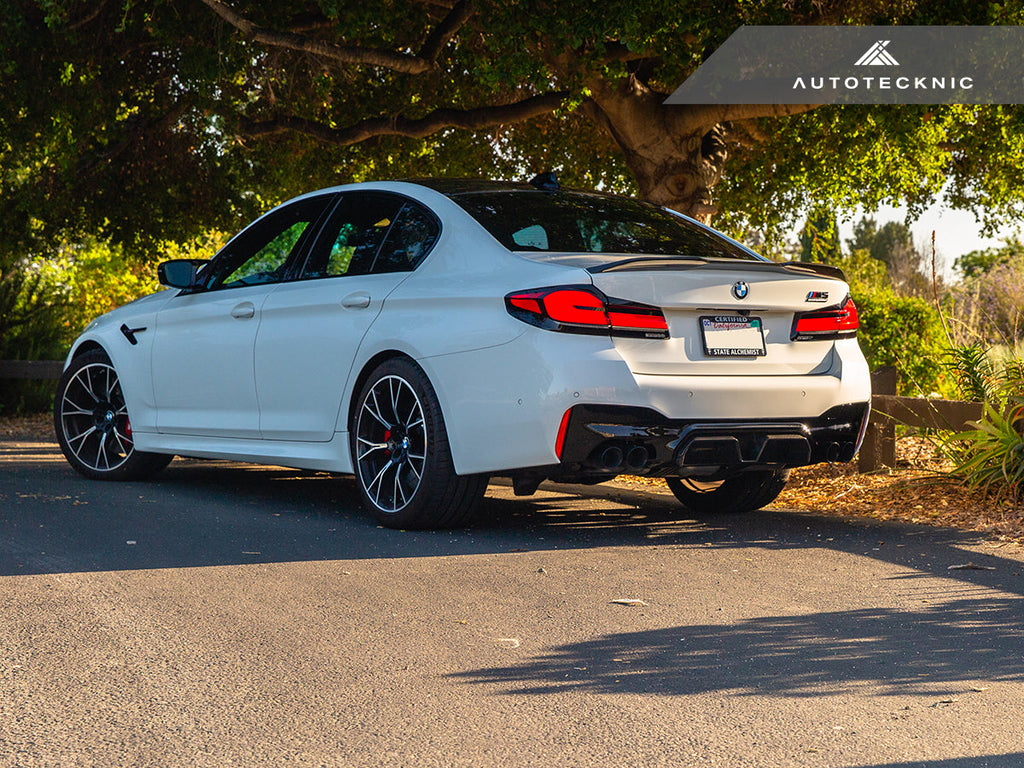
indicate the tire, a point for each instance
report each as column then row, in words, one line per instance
column 742, row 492
column 400, row 453
column 91, row 420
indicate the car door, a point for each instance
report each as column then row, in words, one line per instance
column 202, row 358
column 312, row 328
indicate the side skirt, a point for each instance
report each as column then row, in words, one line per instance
column 330, row 456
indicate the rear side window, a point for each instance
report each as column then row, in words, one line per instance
column 576, row 222
column 353, row 234
column 411, row 237
column 371, row 233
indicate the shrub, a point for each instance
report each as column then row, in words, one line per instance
column 990, row 458
column 904, row 331
column 45, row 301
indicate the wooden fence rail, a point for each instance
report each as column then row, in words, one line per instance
column 878, row 451
column 888, row 410
column 31, row 369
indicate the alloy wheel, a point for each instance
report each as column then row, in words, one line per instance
column 391, row 443
column 94, row 418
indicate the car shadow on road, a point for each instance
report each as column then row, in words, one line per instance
column 200, row 513
column 951, row 651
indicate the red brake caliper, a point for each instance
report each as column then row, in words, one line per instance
column 387, row 436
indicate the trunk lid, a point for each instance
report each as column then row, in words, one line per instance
column 766, row 294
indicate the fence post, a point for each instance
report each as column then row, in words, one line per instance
column 879, row 448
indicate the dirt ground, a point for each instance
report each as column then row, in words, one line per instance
column 919, row 490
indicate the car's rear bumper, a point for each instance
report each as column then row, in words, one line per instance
column 503, row 405
column 615, row 439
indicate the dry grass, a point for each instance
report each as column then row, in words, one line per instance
column 914, row 492
column 918, row 491
column 37, row 426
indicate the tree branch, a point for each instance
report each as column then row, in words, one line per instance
column 398, row 62
column 96, row 11
column 446, row 30
column 466, row 119
column 708, row 115
column 618, row 52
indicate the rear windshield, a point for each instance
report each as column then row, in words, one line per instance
column 576, row 222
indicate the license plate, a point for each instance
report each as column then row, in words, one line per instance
column 732, row 336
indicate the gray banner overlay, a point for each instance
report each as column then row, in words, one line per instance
column 861, row 65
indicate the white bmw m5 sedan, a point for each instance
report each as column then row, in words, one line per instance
column 426, row 335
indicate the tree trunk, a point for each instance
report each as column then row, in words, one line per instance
column 676, row 153
column 676, row 159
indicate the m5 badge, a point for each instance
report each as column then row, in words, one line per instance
column 819, row 297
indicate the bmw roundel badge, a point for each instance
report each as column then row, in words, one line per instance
column 740, row 290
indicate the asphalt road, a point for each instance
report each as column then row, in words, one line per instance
column 233, row 615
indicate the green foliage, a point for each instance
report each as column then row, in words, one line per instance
column 992, row 456
column 880, row 242
column 92, row 278
column 819, row 239
column 137, row 120
column 863, row 273
column 870, row 156
column 977, row 263
column 987, row 306
column 30, row 310
column 973, row 372
column 30, row 317
column 904, row 331
column 45, row 302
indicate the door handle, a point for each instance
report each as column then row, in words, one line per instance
column 243, row 311
column 358, row 300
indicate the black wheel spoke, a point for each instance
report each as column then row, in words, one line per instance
column 374, row 410
column 75, row 409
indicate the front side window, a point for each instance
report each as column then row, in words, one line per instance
column 264, row 252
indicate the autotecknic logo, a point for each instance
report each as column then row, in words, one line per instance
column 861, row 65
column 877, row 56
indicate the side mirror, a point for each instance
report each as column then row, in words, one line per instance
column 179, row 273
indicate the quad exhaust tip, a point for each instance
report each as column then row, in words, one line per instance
column 632, row 457
column 611, row 457
column 636, row 458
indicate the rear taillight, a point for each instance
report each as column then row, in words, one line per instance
column 832, row 323
column 582, row 309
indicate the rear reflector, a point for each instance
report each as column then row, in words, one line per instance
column 833, row 323
column 582, row 309
column 560, row 439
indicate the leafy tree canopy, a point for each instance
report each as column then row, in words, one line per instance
column 155, row 119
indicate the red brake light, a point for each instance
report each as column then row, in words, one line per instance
column 828, row 323
column 527, row 303
column 636, row 316
column 586, row 310
column 575, row 307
